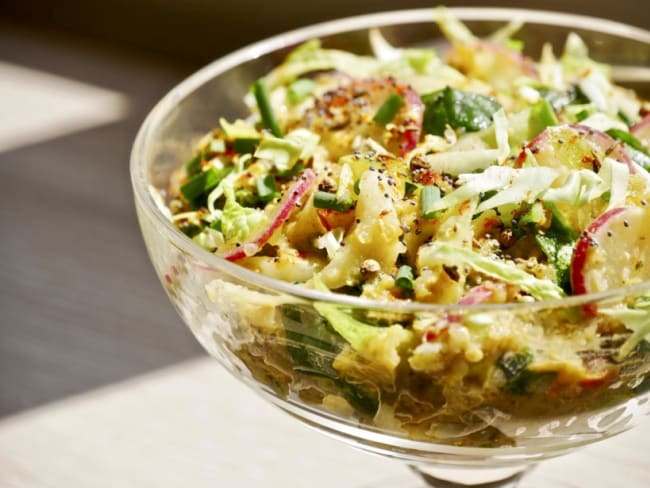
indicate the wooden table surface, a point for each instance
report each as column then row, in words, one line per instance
column 82, row 315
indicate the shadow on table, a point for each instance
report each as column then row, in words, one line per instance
column 80, row 304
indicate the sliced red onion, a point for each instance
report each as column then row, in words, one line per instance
column 476, row 295
column 288, row 203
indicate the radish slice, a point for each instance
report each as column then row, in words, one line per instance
column 573, row 146
column 478, row 294
column 606, row 143
column 291, row 197
column 641, row 130
column 413, row 127
column 613, row 252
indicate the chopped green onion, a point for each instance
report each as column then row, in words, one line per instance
column 628, row 139
column 515, row 44
column 264, row 106
column 244, row 146
column 519, row 379
column 266, row 188
column 409, row 188
column 323, row 199
column 246, row 198
column 389, row 109
column 404, row 278
column 534, row 216
column 299, row 90
column 486, row 195
column 625, row 118
column 356, row 188
column 203, row 183
column 190, row 229
column 291, row 172
column 193, row 166
column 429, row 195
column 541, row 116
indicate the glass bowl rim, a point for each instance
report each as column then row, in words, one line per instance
column 142, row 145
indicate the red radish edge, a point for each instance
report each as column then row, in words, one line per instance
column 291, row 197
column 409, row 141
column 580, row 253
column 478, row 294
column 411, row 137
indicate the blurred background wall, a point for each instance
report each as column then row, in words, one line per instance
column 200, row 30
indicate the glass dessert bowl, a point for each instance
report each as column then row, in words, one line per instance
column 510, row 385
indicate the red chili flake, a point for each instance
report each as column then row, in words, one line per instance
column 426, row 176
column 434, row 334
column 430, row 336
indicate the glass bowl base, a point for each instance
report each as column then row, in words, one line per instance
column 450, row 477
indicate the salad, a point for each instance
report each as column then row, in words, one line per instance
column 476, row 176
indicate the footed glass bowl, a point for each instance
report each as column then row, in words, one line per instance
column 493, row 420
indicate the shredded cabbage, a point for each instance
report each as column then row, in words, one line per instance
column 636, row 319
column 457, row 162
column 218, row 190
column 237, row 222
column 209, row 239
column 513, row 186
column 616, row 177
column 475, row 184
column 438, row 253
column 579, row 188
column 382, row 50
column 330, row 241
column 285, row 152
column 603, row 122
column 505, row 33
column 597, row 88
column 526, row 185
column 239, row 129
column 356, row 333
column 550, row 71
column 310, row 57
column 453, row 28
